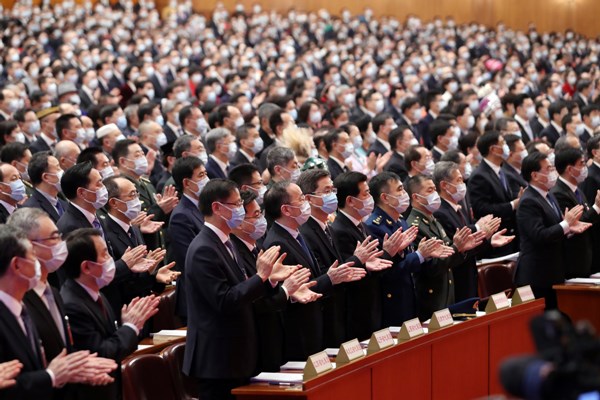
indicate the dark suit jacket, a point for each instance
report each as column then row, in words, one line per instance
column 590, row 186
column 363, row 313
column 423, row 130
column 536, row 127
column 303, row 322
column 397, row 166
column 170, row 134
column 185, row 223
column 3, row 214
column 213, row 170
column 221, row 340
column 159, row 89
column 378, row 148
column 541, row 261
column 268, row 314
column 86, row 100
column 239, row 159
column 578, row 249
column 33, row 382
column 435, row 154
column 37, row 200
column 488, row 196
column 94, row 331
column 52, row 340
column 147, row 197
column 551, row 134
column 39, row 145
column 334, row 168
column 514, row 178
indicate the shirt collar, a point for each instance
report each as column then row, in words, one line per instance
column 351, row 218
column 190, row 198
column 249, row 245
column 88, row 215
column 292, row 232
column 52, row 200
column 13, row 305
column 455, row 206
column 439, row 150
column 323, row 225
column 340, row 163
column 522, row 121
column 569, row 184
column 493, row 166
column 556, row 126
column 93, row 294
column 49, row 142
column 220, row 163
column 174, row 128
column 543, row 123
column 40, row 288
column 384, row 143
column 9, row 208
column 222, row 236
column 248, row 156
column 541, row 191
column 122, row 224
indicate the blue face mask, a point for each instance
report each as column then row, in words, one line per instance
column 330, row 203
column 237, row 216
column 17, row 190
column 260, row 227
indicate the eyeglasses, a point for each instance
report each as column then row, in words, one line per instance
column 237, row 204
column 301, row 200
column 334, row 191
column 55, row 236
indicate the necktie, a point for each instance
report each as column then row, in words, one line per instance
column 255, row 252
column 361, row 228
column 96, row 225
column 131, row 235
column 29, row 331
column 328, row 234
column 60, row 208
column 231, row 249
column 304, row 247
column 461, row 216
column 53, row 308
column 102, row 308
column 502, row 177
column 578, row 196
column 554, row 205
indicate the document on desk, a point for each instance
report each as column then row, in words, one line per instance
column 508, row 257
column 297, row 365
column 584, row 281
column 596, row 275
column 331, row 352
column 277, row 377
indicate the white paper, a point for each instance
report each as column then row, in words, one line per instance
column 395, row 329
column 586, row 281
column 509, row 257
column 293, row 365
column 143, row 346
column 478, row 314
column 331, row 352
column 596, row 275
column 172, row 332
column 278, row 377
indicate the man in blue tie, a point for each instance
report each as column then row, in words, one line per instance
column 45, row 174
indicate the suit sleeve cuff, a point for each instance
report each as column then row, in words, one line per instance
column 133, row 327
column 565, row 227
column 596, row 208
column 421, row 258
column 52, row 377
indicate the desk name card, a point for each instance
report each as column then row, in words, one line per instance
column 496, row 302
column 410, row 329
column 380, row 340
column 524, row 294
column 349, row 351
column 316, row 365
column 441, row 319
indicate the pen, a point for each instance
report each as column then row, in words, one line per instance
column 281, row 384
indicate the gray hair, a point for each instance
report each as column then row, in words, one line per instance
column 131, row 110
column 27, row 219
column 266, row 109
column 279, row 156
column 214, row 136
column 183, row 143
column 443, row 171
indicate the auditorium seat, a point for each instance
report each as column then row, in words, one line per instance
column 147, row 377
column 165, row 318
column 186, row 388
column 494, row 278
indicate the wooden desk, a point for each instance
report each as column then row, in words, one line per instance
column 580, row 302
column 458, row 362
column 154, row 348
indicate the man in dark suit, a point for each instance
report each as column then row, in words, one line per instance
column 122, row 207
column 399, row 302
column 221, row 146
column 578, row 249
column 318, row 188
column 554, row 130
column 247, row 177
column 512, row 166
column 540, row 121
column 12, row 190
column 19, row 338
column 339, row 147
column 249, row 144
column 433, row 100
column 443, row 138
column 524, row 112
column 287, row 207
column 489, row 190
column 45, row 174
column 454, row 214
column 401, row 139
column 221, row 344
column 590, row 187
column 94, row 327
column 543, row 229
column 383, row 124
column 186, row 220
column 435, row 282
column 47, row 137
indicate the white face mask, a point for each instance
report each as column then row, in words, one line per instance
column 107, row 172
column 583, row 173
column 461, row 191
column 551, row 179
column 101, row 197
column 402, row 204
column 35, row 279
column 200, row 185
column 433, row 202
column 367, row 206
column 294, row 174
column 59, row 254
column 108, row 272
column 133, row 208
column 304, row 213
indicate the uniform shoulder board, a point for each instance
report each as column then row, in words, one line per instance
column 377, row 221
column 387, row 221
column 416, row 222
column 29, row 185
column 145, row 180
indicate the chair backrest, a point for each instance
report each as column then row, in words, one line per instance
column 165, row 318
column 147, row 377
column 186, row 387
column 494, row 278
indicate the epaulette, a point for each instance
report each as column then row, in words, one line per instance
column 29, row 185
column 145, row 180
column 416, row 221
column 387, row 221
column 377, row 221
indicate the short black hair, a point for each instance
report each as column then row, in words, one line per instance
column 592, row 144
column 397, row 134
column 242, row 174
column 184, row 168
column 121, row 149
column 556, row 108
column 347, row 185
column 215, row 190
column 75, row 177
column 486, row 141
column 531, row 164
column 80, row 244
column 37, row 166
column 331, row 138
column 62, row 122
column 414, row 183
column 438, row 128
column 566, row 157
column 274, row 198
column 309, row 179
column 14, row 151
column 89, row 154
column 412, row 154
column 248, row 196
column 379, row 121
column 380, row 184
column 13, row 242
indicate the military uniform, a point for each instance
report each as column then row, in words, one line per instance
column 435, row 281
column 399, row 302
